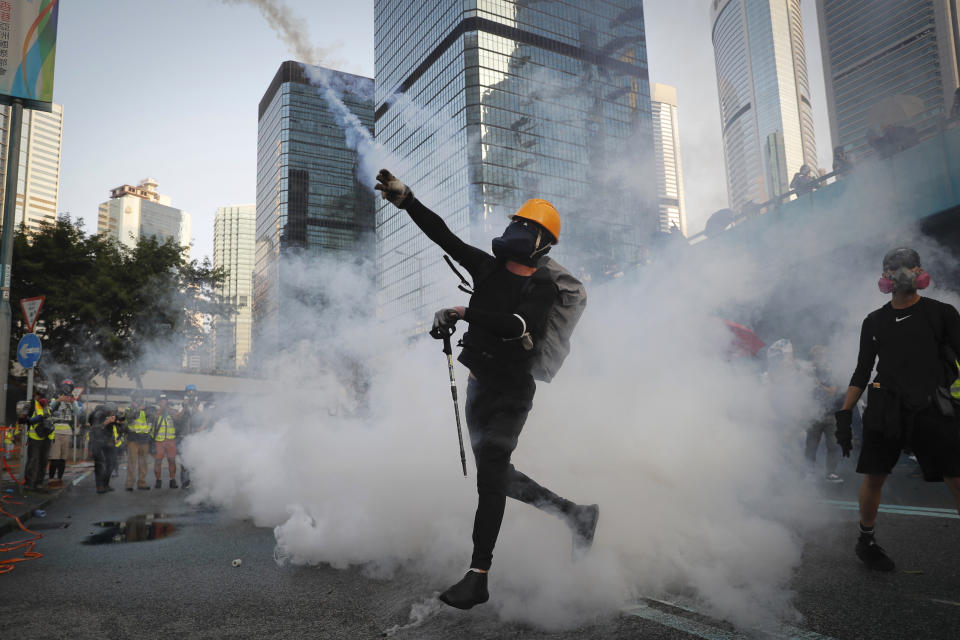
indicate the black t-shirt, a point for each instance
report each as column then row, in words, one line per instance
column 502, row 306
column 908, row 343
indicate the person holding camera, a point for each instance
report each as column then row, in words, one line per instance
column 39, row 437
column 139, row 427
column 103, row 444
column 908, row 403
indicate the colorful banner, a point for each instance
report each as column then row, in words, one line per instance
column 28, row 47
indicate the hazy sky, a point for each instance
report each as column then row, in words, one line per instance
column 170, row 90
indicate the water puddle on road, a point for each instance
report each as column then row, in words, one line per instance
column 134, row 529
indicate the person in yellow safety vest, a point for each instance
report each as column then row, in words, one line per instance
column 64, row 413
column 165, row 444
column 138, row 441
column 39, row 437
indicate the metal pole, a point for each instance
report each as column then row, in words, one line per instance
column 14, row 121
column 23, row 435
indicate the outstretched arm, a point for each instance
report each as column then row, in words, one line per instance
column 431, row 224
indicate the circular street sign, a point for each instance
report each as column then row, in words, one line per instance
column 29, row 350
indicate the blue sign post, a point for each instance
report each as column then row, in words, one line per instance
column 28, row 350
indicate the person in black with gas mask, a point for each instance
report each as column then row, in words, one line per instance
column 914, row 341
column 506, row 309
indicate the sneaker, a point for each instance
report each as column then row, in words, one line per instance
column 583, row 522
column 470, row 591
column 173, row 484
column 144, row 488
column 833, row 478
column 873, row 554
column 129, row 488
column 159, row 484
column 186, row 484
column 101, row 490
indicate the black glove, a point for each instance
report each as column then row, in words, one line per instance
column 443, row 321
column 392, row 189
column 844, row 431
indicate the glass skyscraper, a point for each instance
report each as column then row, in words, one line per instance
column 666, row 144
column 309, row 201
column 488, row 103
column 38, row 178
column 877, row 49
column 233, row 250
column 765, row 107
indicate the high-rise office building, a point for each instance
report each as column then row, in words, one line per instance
column 38, row 182
column 309, row 200
column 234, row 229
column 765, row 110
column 489, row 103
column 135, row 212
column 666, row 147
column 905, row 53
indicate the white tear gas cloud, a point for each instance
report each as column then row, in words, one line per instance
column 695, row 459
column 289, row 27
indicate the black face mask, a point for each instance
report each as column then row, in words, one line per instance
column 519, row 243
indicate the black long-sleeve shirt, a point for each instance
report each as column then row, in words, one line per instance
column 906, row 345
column 503, row 304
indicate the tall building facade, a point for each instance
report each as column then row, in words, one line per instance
column 38, row 179
column 309, row 199
column 765, row 110
column 876, row 50
column 666, row 146
column 234, row 229
column 135, row 212
column 494, row 102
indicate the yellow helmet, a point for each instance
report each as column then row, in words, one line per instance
column 543, row 213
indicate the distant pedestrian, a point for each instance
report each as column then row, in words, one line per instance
column 64, row 414
column 829, row 401
column 908, row 402
column 39, row 437
column 138, row 441
column 104, row 438
column 165, row 444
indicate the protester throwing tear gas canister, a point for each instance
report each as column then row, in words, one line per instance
column 914, row 342
column 508, row 309
column 104, row 440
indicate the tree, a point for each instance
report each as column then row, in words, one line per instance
column 108, row 306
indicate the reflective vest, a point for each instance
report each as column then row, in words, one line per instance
column 38, row 409
column 955, row 387
column 165, row 429
column 117, row 438
column 63, row 417
column 140, row 426
column 9, row 434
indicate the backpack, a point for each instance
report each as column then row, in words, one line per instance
column 947, row 395
column 553, row 347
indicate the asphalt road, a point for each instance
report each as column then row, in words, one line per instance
column 183, row 584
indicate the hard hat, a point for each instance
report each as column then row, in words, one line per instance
column 67, row 382
column 543, row 213
column 191, row 387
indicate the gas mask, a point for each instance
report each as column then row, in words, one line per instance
column 522, row 241
column 903, row 280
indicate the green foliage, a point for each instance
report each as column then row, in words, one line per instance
column 109, row 307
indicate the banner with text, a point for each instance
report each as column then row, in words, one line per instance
column 28, row 47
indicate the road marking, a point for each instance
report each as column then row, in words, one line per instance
column 956, row 604
column 710, row 632
column 79, row 479
column 930, row 512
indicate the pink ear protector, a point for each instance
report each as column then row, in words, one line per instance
column 886, row 284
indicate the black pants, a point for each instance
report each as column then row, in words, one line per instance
column 57, row 467
column 104, row 462
column 37, row 453
column 495, row 416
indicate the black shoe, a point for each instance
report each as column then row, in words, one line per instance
column 144, row 488
column 470, row 591
column 159, row 484
column 102, row 490
column 873, row 554
column 173, row 484
column 129, row 488
column 186, row 483
column 583, row 522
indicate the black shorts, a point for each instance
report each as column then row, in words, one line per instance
column 935, row 442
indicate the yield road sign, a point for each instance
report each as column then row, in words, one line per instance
column 28, row 350
column 31, row 310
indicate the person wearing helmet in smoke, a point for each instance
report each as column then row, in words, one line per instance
column 504, row 308
column 165, row 444
column 104, row 437
column 139, row 427
column 186, row 421
column 39, row 437
column 909, row 339
column 65, row 412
